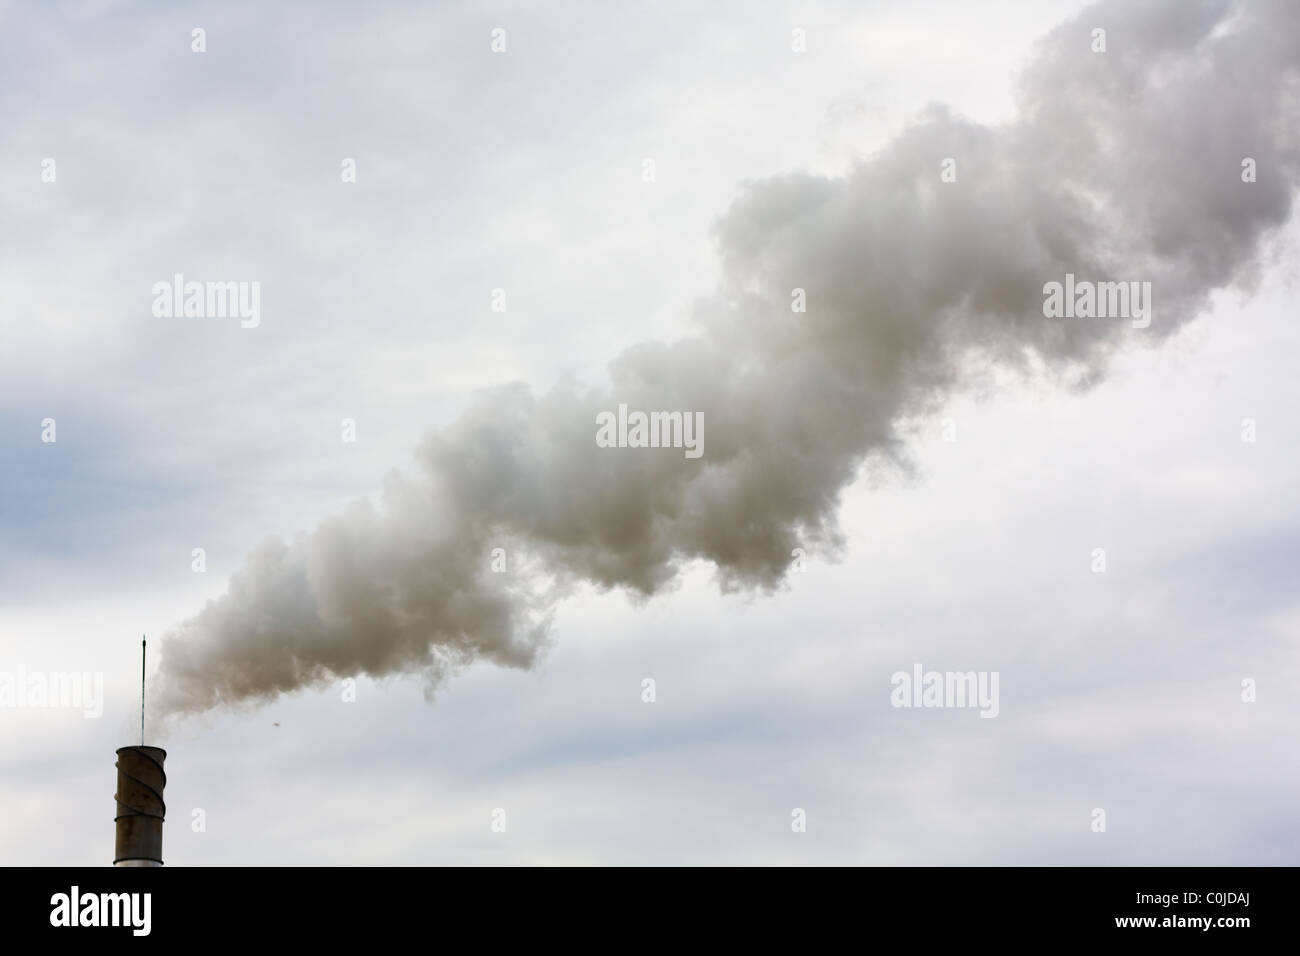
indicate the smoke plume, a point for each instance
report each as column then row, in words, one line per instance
column 1121, row 165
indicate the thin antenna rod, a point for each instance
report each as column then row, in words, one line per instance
column 142, row 653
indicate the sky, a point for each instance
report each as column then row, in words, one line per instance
column 966, row 502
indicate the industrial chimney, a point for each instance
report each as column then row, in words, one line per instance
column 140, row 807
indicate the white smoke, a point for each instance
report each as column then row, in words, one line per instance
column 1121, row 165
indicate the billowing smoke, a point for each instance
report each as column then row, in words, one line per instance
column 1123, row 165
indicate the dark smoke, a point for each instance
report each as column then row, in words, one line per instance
column 1123, row 165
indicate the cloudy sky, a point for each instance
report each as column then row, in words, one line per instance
column 646, row 183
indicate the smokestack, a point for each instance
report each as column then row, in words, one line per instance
column 140, row 807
